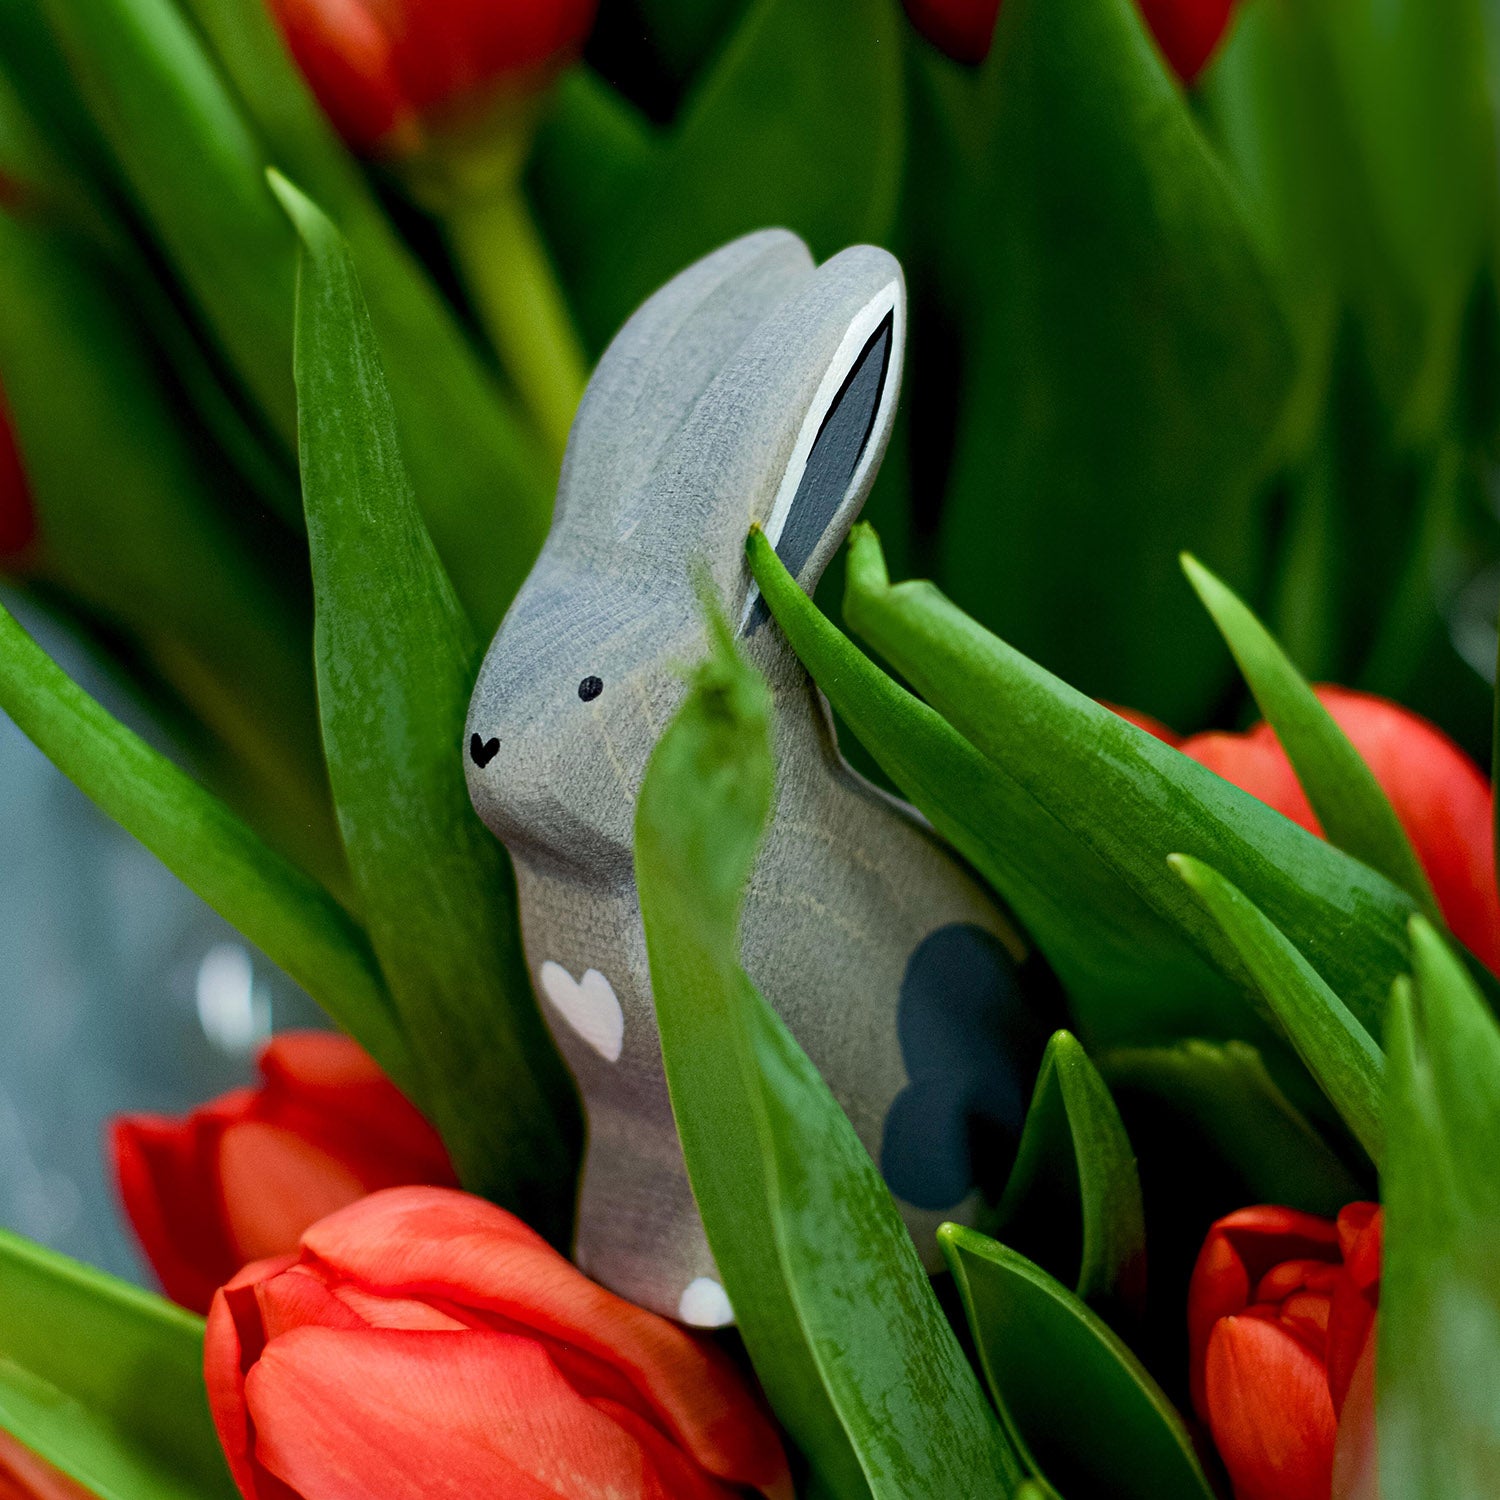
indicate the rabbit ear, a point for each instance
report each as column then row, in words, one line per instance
column 659, row 365
column 839, row 445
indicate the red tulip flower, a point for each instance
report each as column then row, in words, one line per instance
column 1187, row 31
column 426, row 1344
column 240, row 1178
column 1443, row 800
column 1281, row 1313
column 26, row 1476
column 17, row 519
column 385, row 69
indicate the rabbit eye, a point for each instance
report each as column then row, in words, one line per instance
column 590, row 688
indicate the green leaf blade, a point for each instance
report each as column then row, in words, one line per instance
column 1087, row 1411
column 1438, row 1354
column 484, row 481
column 396, row 661
column 732, row 165
column 1338, row 1051
column 104, row 1381
column 1260, row 1147
column 1124, row 966
column 290, row 918
column 1350, row 805
column 1074, row 1132
column 1125, row 354
column 835, row 1308
column 1131, row 799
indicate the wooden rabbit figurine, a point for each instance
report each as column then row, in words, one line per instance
column 753, row 387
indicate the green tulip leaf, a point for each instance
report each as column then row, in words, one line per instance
column 484, row 483
column 1438, row 1358
column 1350, row 805
column 1125, row 967
column 396, row 661
column 594, row 153
column 841, row 1323
column 684, row 33
column 196, row 161
column 1338, row 1051
column 1125, row 356
column 104, row 1381
column 1133, row 800
column 1264, row 1148
column 1074, row 1166
column 196, row 170
column 1409, row 77
column 1265, row 102
column 134, row 529
column 768, row 136
column 1090, row 1417
column 290, row 918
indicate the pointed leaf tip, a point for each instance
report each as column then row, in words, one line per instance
column 1349, row 802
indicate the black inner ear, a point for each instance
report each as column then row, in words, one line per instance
column 837, row 450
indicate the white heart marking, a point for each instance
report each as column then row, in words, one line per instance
column 705, row 1304
column 589, row 1006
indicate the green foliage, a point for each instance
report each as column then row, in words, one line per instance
column 293, row 921
column 485, row 486
column 1088, row 807
column 1075, row 1163
column 838, row 1315
column 1350, row 806
column 104, row 1380
column 1081, row 1406
column 1438, row 1359
column 1338, row 1051
column 1125, row 357
column 396, row 660
column 136, row 530
column 195, row 165
column 1264, row 1148
column 826, row 163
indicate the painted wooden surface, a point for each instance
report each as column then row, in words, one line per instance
column 753, row 387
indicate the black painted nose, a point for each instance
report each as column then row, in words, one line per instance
column 482, row 752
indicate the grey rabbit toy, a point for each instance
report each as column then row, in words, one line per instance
column 755, row 386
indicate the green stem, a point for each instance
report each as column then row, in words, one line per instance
column 518, row 299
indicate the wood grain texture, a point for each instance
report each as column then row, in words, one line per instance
column 753, row 388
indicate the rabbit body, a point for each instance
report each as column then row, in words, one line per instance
column 753, row 388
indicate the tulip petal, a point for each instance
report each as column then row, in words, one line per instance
column 330, row 1089
column 163, row 1184
column 232, row 1341
column 1444, row 802
column 295, row 1299
column 25, row 1476
column 453, row 1246
column 424, row 1416
column 1270, row 1411
column 1255, row 763
column 274, row 1183
column 1241, row 1249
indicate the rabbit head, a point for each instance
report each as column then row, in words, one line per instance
column 754, row 387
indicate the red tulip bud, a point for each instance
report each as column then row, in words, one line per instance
column 1281, row 1313
column 240, row 1178
column 1442, row 798
column 17, row 519
column 1187, row 31
column 424, row 1342
column 387, row 70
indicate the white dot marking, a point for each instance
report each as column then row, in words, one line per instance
column 704, row 1304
